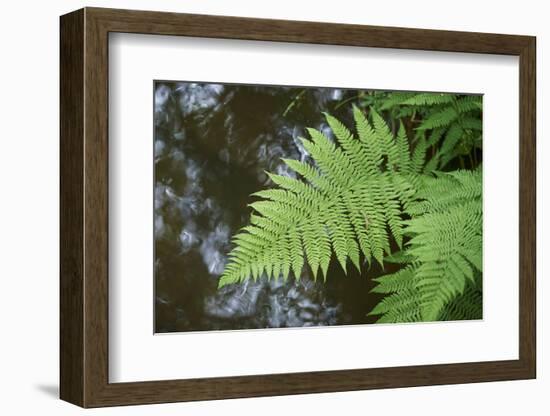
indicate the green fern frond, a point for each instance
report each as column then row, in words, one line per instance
column 444, row 117
column 347, row 203
column 441, row 118
column 468, row 103
column 396, row 282
column 444, row 250
column 428, row 99
column 419, row 156
column 435, row 136
column 372, row 191
column 396, row 99
column 466, row 306
column 402, row 306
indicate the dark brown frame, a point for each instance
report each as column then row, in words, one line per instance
column 84, row 208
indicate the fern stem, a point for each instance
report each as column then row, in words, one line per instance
column 293, row 102
column 347, row 100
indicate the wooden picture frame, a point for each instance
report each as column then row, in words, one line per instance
column 84, row 207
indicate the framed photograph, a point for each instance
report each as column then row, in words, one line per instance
column 260, row 207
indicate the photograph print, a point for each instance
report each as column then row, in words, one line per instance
column 285, row 207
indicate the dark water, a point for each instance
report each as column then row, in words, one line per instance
column 213, row 144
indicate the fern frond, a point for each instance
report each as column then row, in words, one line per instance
column 444, row 251
column 402, row 306
column 403, row 149
column 396, row 282
column 419, row 155
column 397, row 98
column 442, row 118
column 428, row 99
column 447, row 117
column 466, row 306
column 345, row 203
column 468, row 103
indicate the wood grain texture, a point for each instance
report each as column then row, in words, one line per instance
column 527, row 207
column 162, row 23
column 71, row 100
column 96, row 209
column 84, row 207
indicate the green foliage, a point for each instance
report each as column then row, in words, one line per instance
column 452, row 121
column 468, row 305
column 443, row 256
column 349, row 203
column 381, row 194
